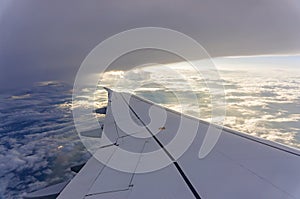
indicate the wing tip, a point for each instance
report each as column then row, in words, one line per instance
column 108, row 90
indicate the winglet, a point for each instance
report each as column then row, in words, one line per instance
column 109, row 91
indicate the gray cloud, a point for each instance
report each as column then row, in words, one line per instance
column 33, row 125
column 48, row 40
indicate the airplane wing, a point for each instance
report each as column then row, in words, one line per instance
column 238, row 166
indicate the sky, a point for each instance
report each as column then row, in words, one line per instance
column 48, row 40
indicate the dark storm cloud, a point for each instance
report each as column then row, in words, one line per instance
column 48, row 40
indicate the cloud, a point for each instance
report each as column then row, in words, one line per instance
column 38, row 139
column 48, row 40
column 257, row 103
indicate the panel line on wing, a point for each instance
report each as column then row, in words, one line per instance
column 130, row 182
column 263, row 142
column 256, row 174
column 117, row 130
column 102, row 170
column 105, row 192
column 185, row 178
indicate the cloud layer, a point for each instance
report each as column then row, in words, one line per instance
column 38, row 140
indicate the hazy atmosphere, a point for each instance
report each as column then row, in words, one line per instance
column 48, row 40
column 254, row 46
